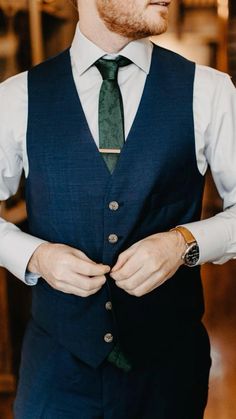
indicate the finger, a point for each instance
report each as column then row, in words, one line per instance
column 83, row 256
column 126, row 276
column 83, row 282
column 84, row 267
column 122, row 259
column 130, row 267
column 153, row 282
column 77, row 291
column 89, row 284
column 133, row 281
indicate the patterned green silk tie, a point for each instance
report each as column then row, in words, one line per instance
column 110, row 113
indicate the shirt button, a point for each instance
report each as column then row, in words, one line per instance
column 113, row 238
column 108, row 338
column 113, row 205
column 108, row 305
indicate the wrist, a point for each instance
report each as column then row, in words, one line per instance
column 190, row 255
column 34, row 262
column 180, row 245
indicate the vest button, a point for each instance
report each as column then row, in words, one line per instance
column 108, row 338
column 108, row 305
column 113, row 205
column 113, row 238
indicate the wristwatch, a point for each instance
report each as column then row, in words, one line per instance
column 191, row 254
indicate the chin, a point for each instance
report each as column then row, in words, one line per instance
column 158, row 30
column 152, row 29
column 137, row 25
column 158, row 24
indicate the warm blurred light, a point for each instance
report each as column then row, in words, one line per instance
column 47, row 2
column 223, row 8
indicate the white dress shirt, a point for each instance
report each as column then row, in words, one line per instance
column 214, row 109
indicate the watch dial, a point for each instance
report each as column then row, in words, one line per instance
column 192, row 255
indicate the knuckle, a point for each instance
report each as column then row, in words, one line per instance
column 61, row 287
column 130, row 285
column 53, row 284
column 89, row 270
column 94, row 291
column 121, row 285
column 101, row 281
column 56, row 284
column 64, row 286
column 126, row 273
column 83, row 293
column 87, row 285
column 137, row 293
column 79, row 253
column 163, row 274
column 120, row 257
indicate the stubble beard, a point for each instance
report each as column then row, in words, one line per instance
column 129, row 23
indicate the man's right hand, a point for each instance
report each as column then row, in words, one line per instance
column 67, row 269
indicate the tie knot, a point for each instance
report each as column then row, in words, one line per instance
column 109, row 68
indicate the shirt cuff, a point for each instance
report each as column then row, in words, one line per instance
column 16, row 249
column 30, row 278
column 213, row 238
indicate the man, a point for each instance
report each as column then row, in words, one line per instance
column 116, row 326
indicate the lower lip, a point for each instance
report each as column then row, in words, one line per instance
column 160, row 6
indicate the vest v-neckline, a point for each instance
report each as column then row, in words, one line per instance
column 127, row 142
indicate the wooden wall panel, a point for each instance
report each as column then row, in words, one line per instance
column 7, row 380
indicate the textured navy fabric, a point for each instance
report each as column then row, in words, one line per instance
column 54, row 384
column 157, row 185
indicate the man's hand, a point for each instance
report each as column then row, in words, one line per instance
column 67, row 269
column 149, row 263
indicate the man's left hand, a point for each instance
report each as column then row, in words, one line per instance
column 148, row 263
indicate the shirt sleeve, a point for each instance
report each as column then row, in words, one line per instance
column 215, row 133
column 16, row 247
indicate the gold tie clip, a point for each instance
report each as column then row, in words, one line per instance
column 109, row 150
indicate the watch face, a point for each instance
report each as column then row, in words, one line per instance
column 192, row 255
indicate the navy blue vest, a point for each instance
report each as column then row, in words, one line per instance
column 157, row 185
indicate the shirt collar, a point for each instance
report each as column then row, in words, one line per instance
column 84, row 53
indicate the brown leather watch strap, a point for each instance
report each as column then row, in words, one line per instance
column 187, row 235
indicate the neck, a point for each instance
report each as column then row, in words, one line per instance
column 96, row 31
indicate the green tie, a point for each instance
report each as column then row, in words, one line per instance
column 110, row 113
column 117, row 357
